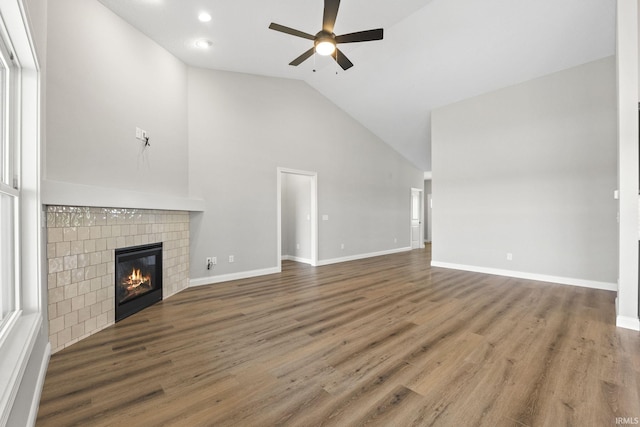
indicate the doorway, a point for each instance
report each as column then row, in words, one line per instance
column 297, row 216
column 427, row 209
column 429, row 215
column 417, row 207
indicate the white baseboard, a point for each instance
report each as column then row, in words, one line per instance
column 362, row 256
column 628, row 323
column 233, row 276
column 296, row 259
column 530, row 276
column 255, row 273
column 35, row 403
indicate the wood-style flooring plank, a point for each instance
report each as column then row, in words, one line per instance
column 386, row 341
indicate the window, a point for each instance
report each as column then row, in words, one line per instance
column 22, row 303
column 9, row 193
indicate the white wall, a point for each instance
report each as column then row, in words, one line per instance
column 105, row 79
column 628, row 96
column 531, row 170
column 242, row 128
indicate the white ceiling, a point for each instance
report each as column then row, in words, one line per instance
column 434, row 52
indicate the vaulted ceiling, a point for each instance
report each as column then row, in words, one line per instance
column 434, row 52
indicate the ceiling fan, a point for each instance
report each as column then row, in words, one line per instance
column 325, row 41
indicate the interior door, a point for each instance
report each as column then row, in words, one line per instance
column 416, row 218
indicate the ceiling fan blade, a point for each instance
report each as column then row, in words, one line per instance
column 300, row 59
column 330, row 15
column 361, row 36
column 291, row 31
column 342, row 60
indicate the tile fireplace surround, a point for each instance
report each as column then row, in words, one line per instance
column 81, row 243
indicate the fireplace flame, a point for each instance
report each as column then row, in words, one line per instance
column 136, row 279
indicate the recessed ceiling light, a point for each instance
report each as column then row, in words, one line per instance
column 204, row 44
column 204, row 17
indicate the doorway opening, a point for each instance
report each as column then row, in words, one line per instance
column 297, row 216
column 417, row 209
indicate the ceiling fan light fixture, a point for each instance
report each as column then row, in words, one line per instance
column 325, row 47
column 325, row 41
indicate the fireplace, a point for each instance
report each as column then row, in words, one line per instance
column 138, row 278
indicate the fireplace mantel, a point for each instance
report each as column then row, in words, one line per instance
column 71, row 194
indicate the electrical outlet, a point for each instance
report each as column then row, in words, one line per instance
column 342, row 246
column 214, row 260
column 232, row 258
column 138, row 133
column 209, row 263
column 509, row 256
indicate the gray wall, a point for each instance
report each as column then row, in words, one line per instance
column 242, row 128
column 105, row 79
column 530, row 170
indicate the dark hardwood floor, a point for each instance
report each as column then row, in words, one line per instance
column 384, row 341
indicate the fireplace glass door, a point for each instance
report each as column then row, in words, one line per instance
column 138, row 278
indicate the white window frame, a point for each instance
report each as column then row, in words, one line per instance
column 27, row 322
column 10, row 169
